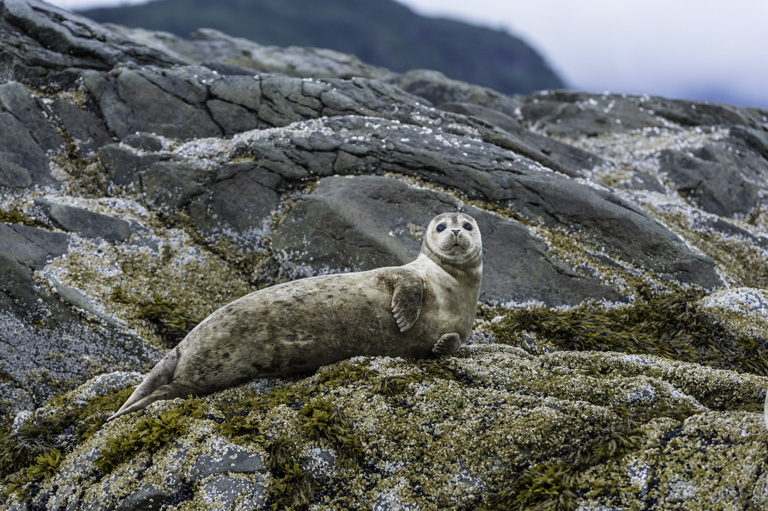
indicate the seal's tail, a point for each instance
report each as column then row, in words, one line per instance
column 158, row 385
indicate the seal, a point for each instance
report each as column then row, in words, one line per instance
column 423, row 309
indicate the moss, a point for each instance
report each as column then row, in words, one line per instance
column 670, row 324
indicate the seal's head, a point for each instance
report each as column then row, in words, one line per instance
column 453, row 239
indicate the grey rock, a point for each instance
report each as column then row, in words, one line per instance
column 355, row 224
column 46, row 347
column 86, row 129
column 16, row 100
column 211, row 48
column 31, row 246
column 23, row 162
column 122, row 164
column 238, row 205
column 170, row 184
column 85, row 223
column 226, row 458
column 579, row 114
column 551, row 153
column 226, row 491
column 46, row 45
column 721, row 179
column 574, row 114
column 439, row 89
column 167, row 102
column 344, row 145
column 143, row 141
column 147, row 498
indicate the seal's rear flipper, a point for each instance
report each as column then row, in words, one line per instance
column 161, row 374
column 170, row 391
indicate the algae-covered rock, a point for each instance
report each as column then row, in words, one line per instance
column 484, row 429
column 619, row 357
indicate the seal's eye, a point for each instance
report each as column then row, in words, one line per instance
column 440, row 227
column 468, row 226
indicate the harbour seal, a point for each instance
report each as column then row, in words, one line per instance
column 423, row 309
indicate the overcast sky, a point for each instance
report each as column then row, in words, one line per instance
column 698, row 49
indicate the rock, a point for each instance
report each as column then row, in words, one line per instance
column 31, row 246
column 22, row 162
column 129, row 101
column 87, row 130
column 719, row 178
column 225, row 459
column 549, row 152
column 46, row 45
column 85, row 223
column 238, row 205
column 439, row 90
column 16, row 100
column 486, row 412
column 224, row 492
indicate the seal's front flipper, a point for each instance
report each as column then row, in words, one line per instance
column 446, row 344
column 407, row 287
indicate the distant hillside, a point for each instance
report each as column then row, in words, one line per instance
column 380, row 32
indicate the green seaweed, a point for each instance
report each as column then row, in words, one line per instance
column 149, row 434
column 173, row 321
column 34, row 450
column 291, row 487
column 14, row 217
column 322, row 420
column 556, row 485
column 669, row 324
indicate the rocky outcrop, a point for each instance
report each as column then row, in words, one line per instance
column 620, row 340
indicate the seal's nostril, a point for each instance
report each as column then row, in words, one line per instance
column 455, row 231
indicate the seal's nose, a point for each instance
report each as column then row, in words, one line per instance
column 456, row 231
